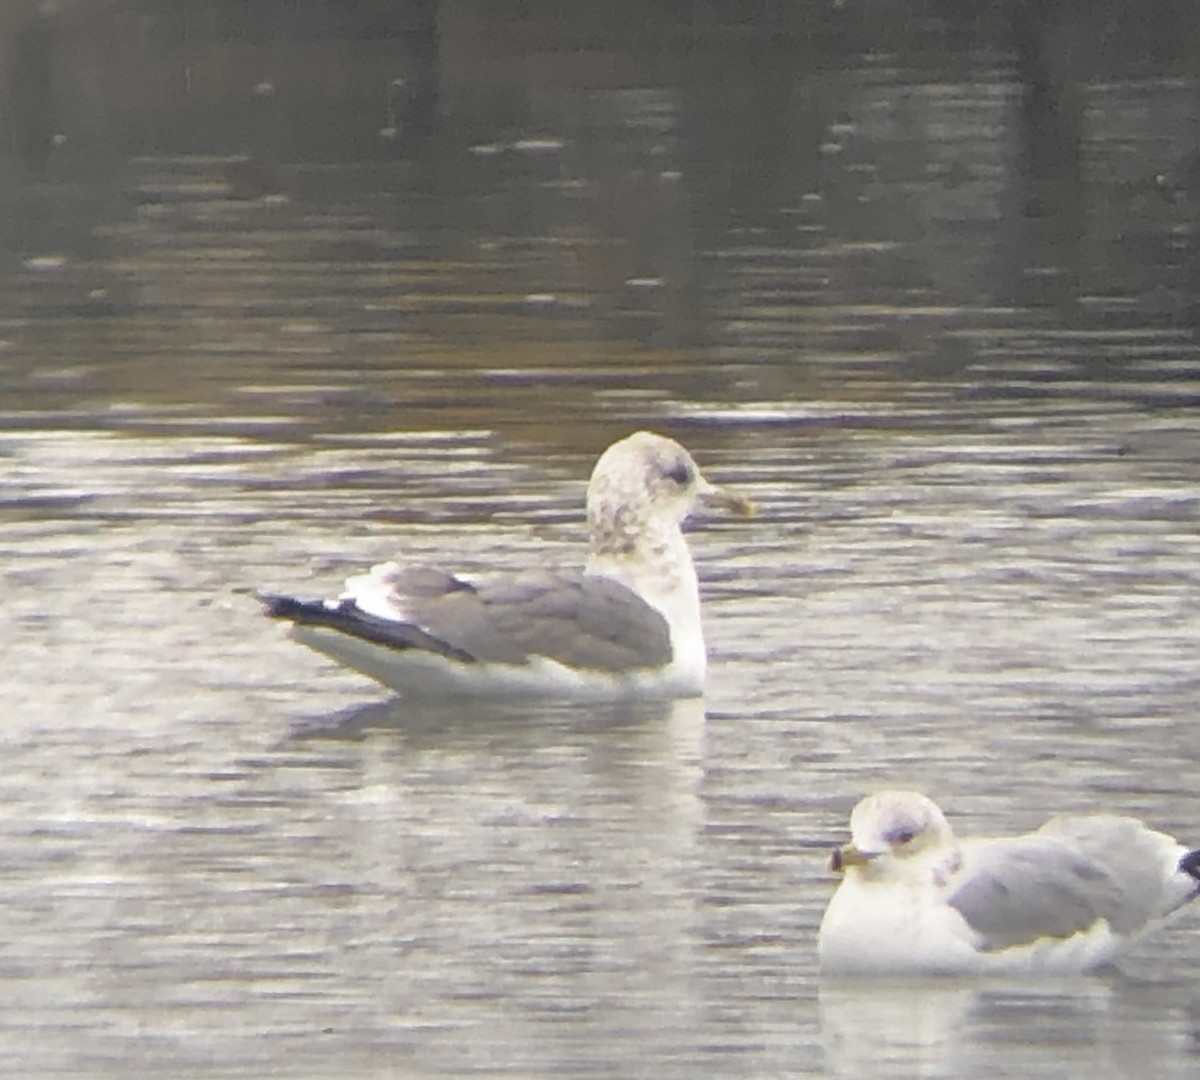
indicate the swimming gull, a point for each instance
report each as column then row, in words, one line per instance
column 628, row 625
column 1063, row 900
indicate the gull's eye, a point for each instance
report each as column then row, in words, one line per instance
column 681, row 473
column 900, row 837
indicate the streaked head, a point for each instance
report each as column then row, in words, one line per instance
column 892, row 825
column 646, row 475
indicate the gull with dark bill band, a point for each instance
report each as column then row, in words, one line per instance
column 626, row 626
column 1064, row 900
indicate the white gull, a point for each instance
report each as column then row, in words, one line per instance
column 1063, row 900
column 628, row 625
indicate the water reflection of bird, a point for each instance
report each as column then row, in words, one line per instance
column 397, row 99
column 627, row 626
column 1065, row 899
column 256, row 173
column 251, row 178
column 954, row 1028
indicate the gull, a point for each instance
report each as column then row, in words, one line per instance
column 1064, row 900
column 626, row 626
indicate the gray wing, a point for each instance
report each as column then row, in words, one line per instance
column 1144, row 865
column 1062, row 879
column 580, row 620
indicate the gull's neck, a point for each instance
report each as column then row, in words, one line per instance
column 653, row 560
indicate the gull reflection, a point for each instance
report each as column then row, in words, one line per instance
column 962, row 1028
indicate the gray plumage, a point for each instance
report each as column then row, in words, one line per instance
column 1065, row 877
column 576, row 619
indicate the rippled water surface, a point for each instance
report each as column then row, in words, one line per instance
column 971, row 431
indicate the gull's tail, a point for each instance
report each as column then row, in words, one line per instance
column 1184, row 885
column 346, row 617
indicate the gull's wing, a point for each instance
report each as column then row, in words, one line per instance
column 580, row 620
column 1066, row 877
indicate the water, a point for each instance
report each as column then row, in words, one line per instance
column 971, row 434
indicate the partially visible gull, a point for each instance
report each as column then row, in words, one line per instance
column 626, row 626
column 1063, row 900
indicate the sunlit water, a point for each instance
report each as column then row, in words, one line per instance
column 975, row 571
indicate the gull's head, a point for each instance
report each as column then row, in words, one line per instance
column 647, row 478
column 890, row 828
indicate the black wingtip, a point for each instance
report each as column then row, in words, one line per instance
column 1189, row 864
column 347, row 618
column 282, row 607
